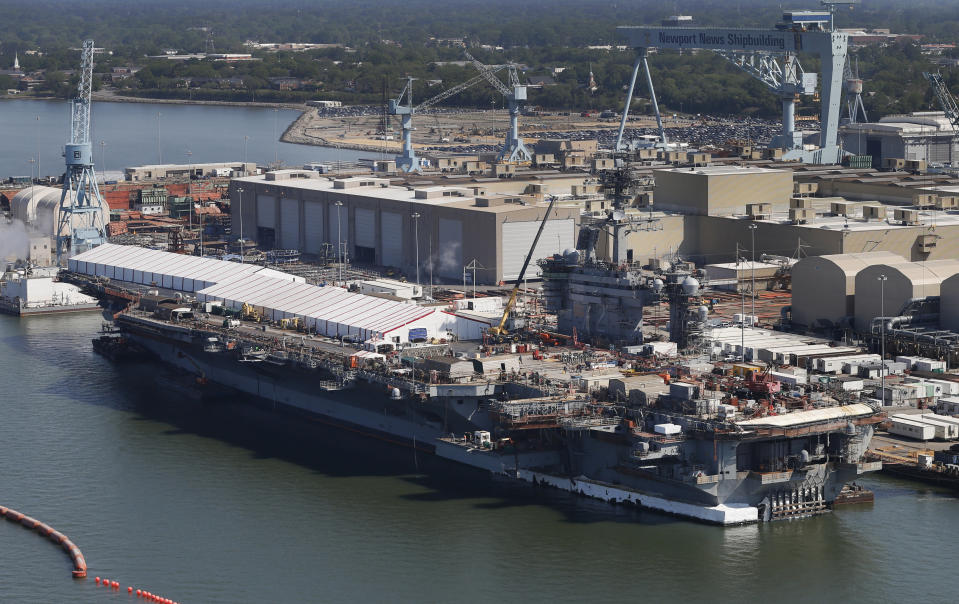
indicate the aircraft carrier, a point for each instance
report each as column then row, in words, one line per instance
column 681, row 453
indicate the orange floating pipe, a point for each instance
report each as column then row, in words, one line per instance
column 79, row 563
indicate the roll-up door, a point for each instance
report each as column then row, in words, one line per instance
column 266, row 211
column 449, row 256
column 391, row 228
column 313, row 227
column 518, row 237
column 365, row 223
column 290, row 224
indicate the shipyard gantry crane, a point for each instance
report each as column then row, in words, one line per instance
column 407, row 160
column 770, row 55
column 80, row 220
column 514, row 151
column 945, row 98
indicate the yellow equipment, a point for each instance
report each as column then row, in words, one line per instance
column 500, row 330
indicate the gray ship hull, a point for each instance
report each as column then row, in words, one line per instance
column 591, row 464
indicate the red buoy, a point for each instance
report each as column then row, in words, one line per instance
column 129, row 590
column 139, row 593
column 97, row 580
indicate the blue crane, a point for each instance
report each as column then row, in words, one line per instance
column 407, row 160
column 80, row 223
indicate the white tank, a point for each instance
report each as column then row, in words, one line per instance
column 703, row 313
column 657, row 285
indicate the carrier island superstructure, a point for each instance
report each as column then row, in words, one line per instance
column 689, row 450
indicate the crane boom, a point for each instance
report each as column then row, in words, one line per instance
column 456, row 89
column 501, row 328
column 945, row 98
column 80, row 122
column 487, row 72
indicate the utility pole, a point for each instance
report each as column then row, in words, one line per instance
column 752, row 286
column 416, row 230
column 239, row 191
column 882, row 343
column 339, row 238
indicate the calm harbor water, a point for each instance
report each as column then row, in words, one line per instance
column 187, row 133
column 195, row 504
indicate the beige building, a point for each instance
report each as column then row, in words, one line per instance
column 444, row 228
column 824, row 287
column 159, row 171
column 721, row 190
column 904, row 282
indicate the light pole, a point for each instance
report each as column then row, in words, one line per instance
column 159, row 150
column 416, row 230
column 752, row 285
column 38, row 149
column 239, row 191
column 103, row 157
column 339, row 239
column 882, row 342
column 246, row 139
column 276, row 113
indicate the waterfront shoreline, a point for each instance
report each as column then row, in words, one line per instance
column 100, row 97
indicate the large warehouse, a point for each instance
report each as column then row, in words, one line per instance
column 824, row 287
column 949, row 304
column 904, row 282
column 330, row 311
column 379, row 224
column 721, row 190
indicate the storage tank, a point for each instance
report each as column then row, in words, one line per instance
column 824, row 287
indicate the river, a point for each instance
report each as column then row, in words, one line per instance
column 128, row 131
column 197, row 504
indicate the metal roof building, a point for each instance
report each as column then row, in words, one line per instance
column 949, row 304
column 331, row 311
column 164, row 269
column 905, row 281
column 824, row 287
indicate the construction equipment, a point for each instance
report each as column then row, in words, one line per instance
column 407, row 160
column 945, row 98
column 513, row 151
column 80, row 224
column 249, row 313
column 500, row 330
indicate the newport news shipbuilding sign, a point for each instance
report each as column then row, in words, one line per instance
column 710, row 38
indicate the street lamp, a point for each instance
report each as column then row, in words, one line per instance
column 339, row 238
column 246, row 139
column 416, row 230
column 882, row 342
column 752, row 285
column 276, row 113
column 239, row 191
column 103, row 157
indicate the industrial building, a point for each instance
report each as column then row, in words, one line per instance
column 949, row 304
column 721, row 190
column 38, row 207
column 442, row 229
column 161, row 171
column 926, row 136
column 904, row 283
column 824, row 287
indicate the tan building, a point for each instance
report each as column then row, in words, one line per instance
column 824, row 287
column 904, row 282
column 160, row 171
column 375, row 223
column 721, row 190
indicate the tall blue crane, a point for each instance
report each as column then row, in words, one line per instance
column 407, row 160
column 80, row 220
column 513, row 150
